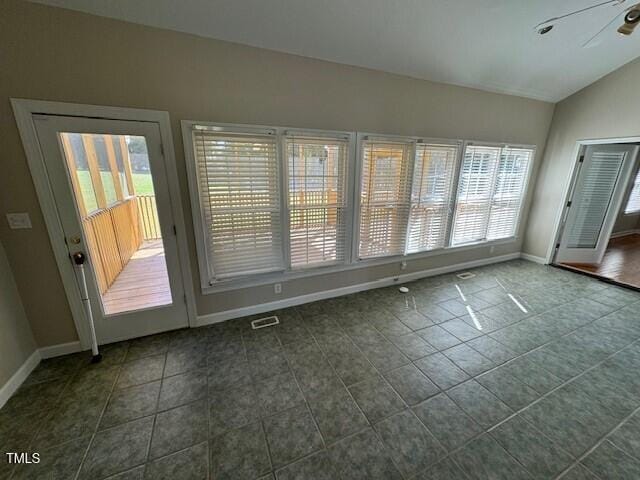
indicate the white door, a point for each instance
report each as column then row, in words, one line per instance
column 597, row 196
column 110, row 187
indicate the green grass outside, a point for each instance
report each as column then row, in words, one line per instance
column 142, row 184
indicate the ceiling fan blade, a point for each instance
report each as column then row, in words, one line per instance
column 597, row 38
column 555, row 20
column 627, row 28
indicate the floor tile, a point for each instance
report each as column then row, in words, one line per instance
column 130, row 403
column 184, row 359
column 442, row 371
column 232, row 408
column 133, row 474
column 263, row 367
column 436, row 313
column 438, row 337
column 542, row 457
column 148, row 346
column 363, row 457
column 352, row 367
column 491, row 349
column 610, row 462
column 579, row 472
column 317, row 466
column 35, row 398
column 508, row 388
column 337, row 414
column 460, row 329
column 448, row 422
column 141, row 371
column 468, row 359
column 228, row 373
column 411, row 384
column 376, row 398
column 184, row 388
column 412, row 345
column 414, row 319
column 384, row 356
column 291, row 435
column 117, row 449
column 60, row 462
column 278, row 393
column 532, row 375
column 627, row 436
column 480, row 404
column 189, row 464
column 240, row 454
column 179, row 428
column 410, row 444
column 446, row 469
column 483, row 458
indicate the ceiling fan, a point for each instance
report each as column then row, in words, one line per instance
column 629, row 19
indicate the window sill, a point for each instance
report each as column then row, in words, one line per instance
column 281, row 277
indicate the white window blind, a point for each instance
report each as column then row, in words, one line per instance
column 508, row 193
column 384, row 197
column 431, row 196
column 490, row 192
column 316, row 200
column 239, row 196
column 633, row 204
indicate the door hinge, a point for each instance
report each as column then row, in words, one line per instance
column 569, row 203
column 184, row 297
column 175, row 231
column 581, row 158
column 162, row 149
column 557, row 246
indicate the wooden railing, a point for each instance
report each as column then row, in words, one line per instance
column 113, row 235
column 148, row 213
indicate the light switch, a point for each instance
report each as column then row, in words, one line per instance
column 18, row 220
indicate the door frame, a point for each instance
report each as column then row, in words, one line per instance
column 24, row 110
column 570, row 182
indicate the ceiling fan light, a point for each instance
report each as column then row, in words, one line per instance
column 633, row 16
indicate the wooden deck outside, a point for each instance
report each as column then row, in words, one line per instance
column 143, row 283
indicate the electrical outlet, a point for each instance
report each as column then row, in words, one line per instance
column 403, row 265
column 492, row 248
column 277, row 288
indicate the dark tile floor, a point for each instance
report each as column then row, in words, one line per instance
column 521, row 372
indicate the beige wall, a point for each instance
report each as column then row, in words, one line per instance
column 54, row 54
column 16, row 340
column 608, row 108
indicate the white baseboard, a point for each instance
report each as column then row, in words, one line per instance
column 534, row 258
column 19, row 377
column 338, row 292
column 624, row 233
column 60, row 349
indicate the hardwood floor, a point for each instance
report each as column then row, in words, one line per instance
column 621, row 261
column 143, row 283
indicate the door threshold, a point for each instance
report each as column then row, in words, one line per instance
column 598, row 277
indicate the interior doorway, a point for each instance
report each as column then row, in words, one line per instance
column 600, row 229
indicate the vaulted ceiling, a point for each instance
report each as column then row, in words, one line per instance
column 486, row 44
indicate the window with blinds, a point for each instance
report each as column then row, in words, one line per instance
column 384, row 197
column 237, row 178
column 491, row 186
column 316, row 200
column 431, row 196
column 633, row 203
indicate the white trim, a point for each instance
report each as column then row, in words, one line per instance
column 624, row 233
column 24, row 111
column 577, row 151
column 19, row 377
column 533, row 258
column 60, row 349
column 312, row 297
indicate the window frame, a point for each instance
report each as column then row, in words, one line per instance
column 525, row 191
column 208, row 283
column 352, row 207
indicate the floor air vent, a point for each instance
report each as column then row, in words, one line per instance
column 264, row 322
column 465, row 275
